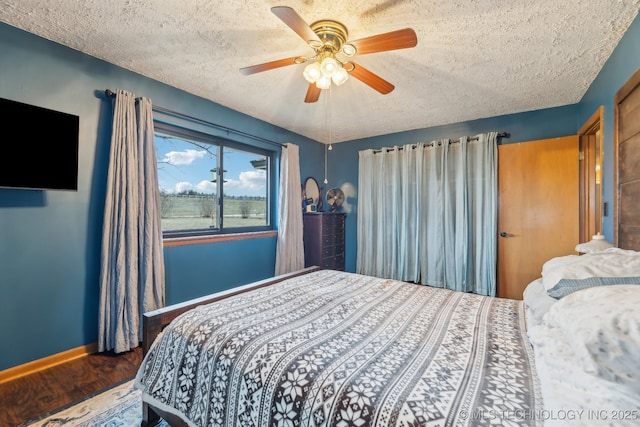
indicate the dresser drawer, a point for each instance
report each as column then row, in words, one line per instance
column 330, row 251
column 334, row 263
column 337, row 228
column 333, row 220
column 333, row 239
column 324, row 240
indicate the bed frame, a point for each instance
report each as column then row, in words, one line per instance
column 155, row 321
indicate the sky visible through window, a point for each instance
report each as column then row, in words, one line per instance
column 184, row 165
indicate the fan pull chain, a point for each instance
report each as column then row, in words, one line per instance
column 326, row 181
column 328, row 124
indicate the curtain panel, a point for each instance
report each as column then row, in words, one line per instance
column 427, row 213
column 132, row 263
column 290, row 246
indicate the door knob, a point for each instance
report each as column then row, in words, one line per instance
column 503, row 234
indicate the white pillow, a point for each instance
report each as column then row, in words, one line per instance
column 537, row 300
column 612, row 262
column 558, row 263
column 602, row 326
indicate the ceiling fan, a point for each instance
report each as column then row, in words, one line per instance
column 329, row 39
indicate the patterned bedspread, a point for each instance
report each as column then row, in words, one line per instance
column 340, row 349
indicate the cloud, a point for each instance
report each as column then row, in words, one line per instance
column 181, row 158
column 205, row 186
column 183, row 186
column 248, row 180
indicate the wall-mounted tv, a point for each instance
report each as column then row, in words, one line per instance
column 39, row 147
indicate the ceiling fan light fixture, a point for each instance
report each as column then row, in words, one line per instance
column 329, row 39
column 312, row 72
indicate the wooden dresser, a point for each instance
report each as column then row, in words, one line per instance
column 324, row 240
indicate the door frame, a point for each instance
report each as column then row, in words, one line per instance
column 591, row 154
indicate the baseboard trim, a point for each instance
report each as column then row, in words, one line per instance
column 47, row 362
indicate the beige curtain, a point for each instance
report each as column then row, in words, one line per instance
column 132, row 270
column 290, row 248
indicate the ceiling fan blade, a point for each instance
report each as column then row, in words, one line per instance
column 313, row 93
column 269, row 65
column 400, row 39
column 295, row 22
column 373, row 80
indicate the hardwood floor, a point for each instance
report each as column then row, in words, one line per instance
column 31, row 396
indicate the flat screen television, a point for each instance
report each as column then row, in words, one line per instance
column 39, row 147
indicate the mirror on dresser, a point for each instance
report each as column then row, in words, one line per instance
column 311, row 200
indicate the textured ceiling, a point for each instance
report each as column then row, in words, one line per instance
column 474, row 58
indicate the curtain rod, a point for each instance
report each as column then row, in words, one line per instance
column 453, row 141
column 109, row 93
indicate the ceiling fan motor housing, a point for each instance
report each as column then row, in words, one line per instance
column 332, row 34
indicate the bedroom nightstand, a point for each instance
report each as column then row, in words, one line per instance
column 324, row 239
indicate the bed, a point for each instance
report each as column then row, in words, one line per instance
column 331, row 348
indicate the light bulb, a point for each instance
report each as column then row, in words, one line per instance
column 312, row 72
column 326, row 181
column 323, row 82
column 339, row 76
column 329, row 66
column 330, row 147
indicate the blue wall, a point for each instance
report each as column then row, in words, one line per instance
column 50, row 240
column 197, row 270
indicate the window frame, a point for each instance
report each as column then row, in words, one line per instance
column 204, row 135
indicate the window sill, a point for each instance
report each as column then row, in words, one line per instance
column 183, row 241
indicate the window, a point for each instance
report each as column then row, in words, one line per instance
column 210, row 185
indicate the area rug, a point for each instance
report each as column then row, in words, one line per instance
column 117, row 406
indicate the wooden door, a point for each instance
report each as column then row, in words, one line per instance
column 627, row 164
column 538, row 214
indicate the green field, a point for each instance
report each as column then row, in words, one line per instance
column 184, row 213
